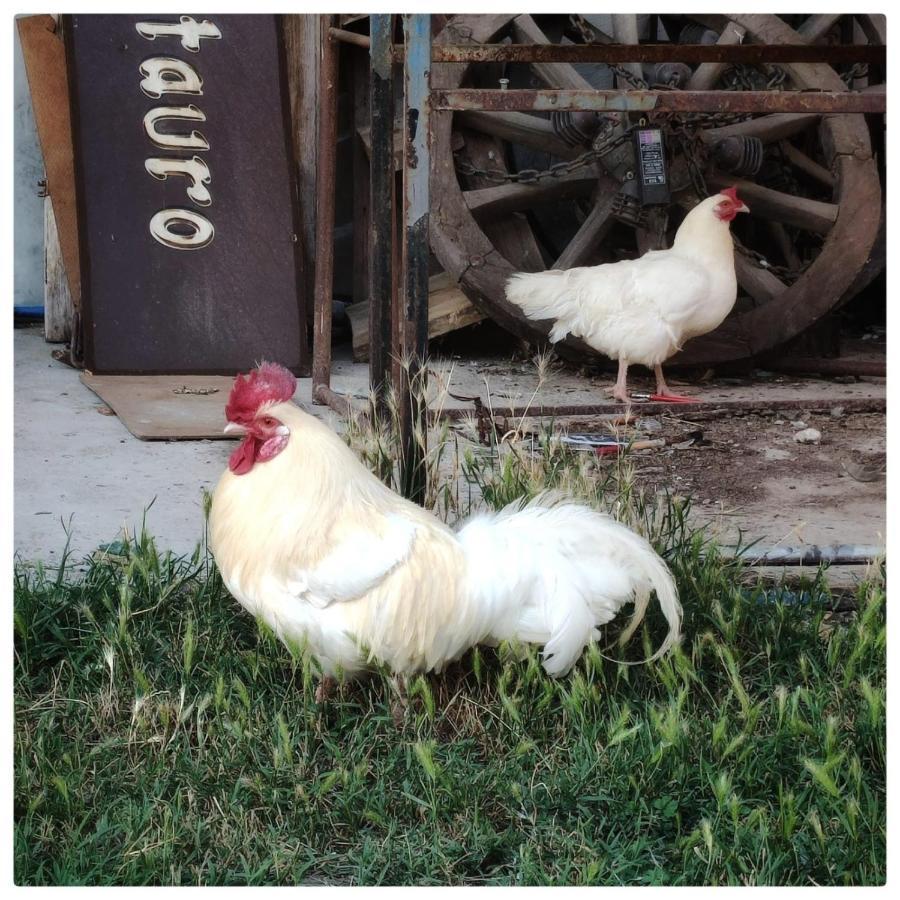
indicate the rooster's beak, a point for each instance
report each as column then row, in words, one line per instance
column 234, row 428
column 744, row 208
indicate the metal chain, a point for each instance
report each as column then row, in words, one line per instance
column 857, row 70
column 557, row 170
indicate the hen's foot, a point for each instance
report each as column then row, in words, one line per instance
column 326, row 689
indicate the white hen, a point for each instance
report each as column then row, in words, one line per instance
column 643, row 310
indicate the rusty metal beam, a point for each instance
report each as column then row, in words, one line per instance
column 748, row 54
column 661, row 101
column 325, row 182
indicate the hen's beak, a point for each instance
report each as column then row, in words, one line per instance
column 234, row 428
column 743, row 208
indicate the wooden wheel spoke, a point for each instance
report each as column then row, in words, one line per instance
column 758, row 282
column 625, row 31
column 770, row 128
column 706, row 74
column 592, row 230
column 518, row 128
column 765, row 203
column 816, row 26
column 559, row 76
column 492, row 202
column 801, row 161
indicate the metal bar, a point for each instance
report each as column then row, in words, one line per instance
column 748, row 54
column 660, row 101
column 416, row 173
column 325, row 182
column 350, row 37
column 652, row 408
column 381, row 205
column 813, row 555
column 341, row 402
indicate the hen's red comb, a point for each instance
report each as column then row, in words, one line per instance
column 731, row 194
column 268, row 383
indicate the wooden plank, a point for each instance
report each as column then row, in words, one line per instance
column 448, row 310
column 166, row 407
column 45, row 62
column 58, row 308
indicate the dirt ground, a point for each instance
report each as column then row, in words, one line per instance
column 748, row 472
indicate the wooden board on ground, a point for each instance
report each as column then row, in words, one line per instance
column 166, row 407
column 448, row 310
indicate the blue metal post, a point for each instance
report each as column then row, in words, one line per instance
column 416, row 199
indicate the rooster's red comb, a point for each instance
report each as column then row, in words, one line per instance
column 731, row 194
column 267, row 383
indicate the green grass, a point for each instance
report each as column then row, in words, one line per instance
column 162, row 737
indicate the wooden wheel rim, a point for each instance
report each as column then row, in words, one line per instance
column 481, row 270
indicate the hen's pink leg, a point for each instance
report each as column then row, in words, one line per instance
column 620, row 391
column 663, row 395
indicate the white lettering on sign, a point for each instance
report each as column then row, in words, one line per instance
column 168, row 75
column 180, row 229
column 190, row 31
column 195, row 169
column 194, row 141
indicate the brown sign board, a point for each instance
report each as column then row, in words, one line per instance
column 186, row 193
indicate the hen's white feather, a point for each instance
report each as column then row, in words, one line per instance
column 331, row 559
column 640, row 310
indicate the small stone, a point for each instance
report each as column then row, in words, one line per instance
column 772, row 453
column 799, row 423
column 837, row 412
column 779, row 421
column 845, row 379
column 808, row 436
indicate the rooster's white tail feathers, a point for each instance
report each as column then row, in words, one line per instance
column 552, row 571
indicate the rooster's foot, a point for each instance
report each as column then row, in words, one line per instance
column 326, row 689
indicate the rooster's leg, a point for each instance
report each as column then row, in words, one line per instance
column 327, row 688
column 620, row 391
column 663, row 394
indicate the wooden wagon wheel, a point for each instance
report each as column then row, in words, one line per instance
column 482, row 232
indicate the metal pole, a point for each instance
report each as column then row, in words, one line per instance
column 381, row 204
column 416, row 173
column 325, row 180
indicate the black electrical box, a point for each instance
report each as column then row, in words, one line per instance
column 650, row 154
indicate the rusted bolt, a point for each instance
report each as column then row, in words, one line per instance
column 476, row 261
column 504, row 84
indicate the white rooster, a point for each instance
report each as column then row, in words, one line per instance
column 643, row 310
column 308, row 539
